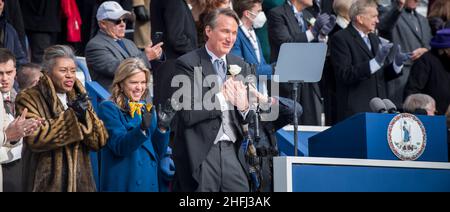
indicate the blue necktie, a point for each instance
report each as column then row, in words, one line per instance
column 122, row 44
column 367, row 41
column 219, row 65
column 301, row 23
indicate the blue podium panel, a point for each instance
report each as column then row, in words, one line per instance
column 285, row 139
column 365, row 136
column 337, row 175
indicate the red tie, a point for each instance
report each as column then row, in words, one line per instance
column 9, row 106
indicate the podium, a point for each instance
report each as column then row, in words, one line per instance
column 364, row 136
column 354, row 155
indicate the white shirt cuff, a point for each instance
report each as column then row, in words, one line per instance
column 397, row 69
column 323, row 39
column 309, row 36
column 224, row 105
column 374, row 66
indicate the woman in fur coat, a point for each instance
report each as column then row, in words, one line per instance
column 56, row 157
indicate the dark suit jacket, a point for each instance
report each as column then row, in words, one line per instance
column 104, row 54
column 197, row 129
column 174, row 19
column 326, row 6
column 283, row 28
column 41, row 15
column 355, row 85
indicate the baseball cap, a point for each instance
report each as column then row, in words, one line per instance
column 112, row 10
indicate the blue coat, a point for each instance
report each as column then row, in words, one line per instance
column 11, row 42
column 130, row 161
column 243, row 48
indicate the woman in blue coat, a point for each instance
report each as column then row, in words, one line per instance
column 138, row 139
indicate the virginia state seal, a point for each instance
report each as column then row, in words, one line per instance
column 406, row 136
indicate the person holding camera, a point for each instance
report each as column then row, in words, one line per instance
column 56, row 156
column 136, row 151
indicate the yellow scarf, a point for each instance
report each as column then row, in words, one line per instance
column 135, row 107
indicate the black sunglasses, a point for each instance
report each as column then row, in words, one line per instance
column 118, row 21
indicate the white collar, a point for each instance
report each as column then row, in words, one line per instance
column 214, row 57
column 6, row 95
column 63, row 98
column 293, row 7
column 342, row 22
column 361, row 33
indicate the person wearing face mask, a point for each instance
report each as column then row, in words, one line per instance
column 430, row 74
column 248, row 47
column 247, row 44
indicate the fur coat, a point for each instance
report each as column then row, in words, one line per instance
column 56, row 157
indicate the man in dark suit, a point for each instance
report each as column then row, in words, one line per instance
column 321, row 6
column 174, row 19
column 207, row 151
column 109, row 47
column 359, row 60
column 292, row 23
column 179, row 35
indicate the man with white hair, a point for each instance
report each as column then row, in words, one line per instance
column 421, row 104
column 358, row 58
column 109, row 47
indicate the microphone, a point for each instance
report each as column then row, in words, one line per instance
column 420, row 111
column 377, row 105
column 391, row 108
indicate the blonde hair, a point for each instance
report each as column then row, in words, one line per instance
column 441, row 9
column 342, row 7
column 418, row 101
column 126, row 69
column 359, row 7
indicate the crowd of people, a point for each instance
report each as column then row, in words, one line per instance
column 187, row 111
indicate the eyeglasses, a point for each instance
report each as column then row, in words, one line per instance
column 117, row 22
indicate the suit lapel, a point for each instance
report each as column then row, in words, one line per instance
column 248, row 43
column 374, row 42
column 360, row 41
column 207, row 66
column 115, row 45
column 292, row 21
column 410, row 25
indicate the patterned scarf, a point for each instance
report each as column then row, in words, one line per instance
column 137, row 107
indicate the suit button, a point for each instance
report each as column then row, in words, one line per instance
column 139, row 182
column 153, row 163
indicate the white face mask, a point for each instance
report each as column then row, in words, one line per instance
column 259, row 20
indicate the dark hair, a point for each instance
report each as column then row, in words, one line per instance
column 30, row 66
column 211, row 18
column 6, row 55
column 240, row 6
column 23, row 78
